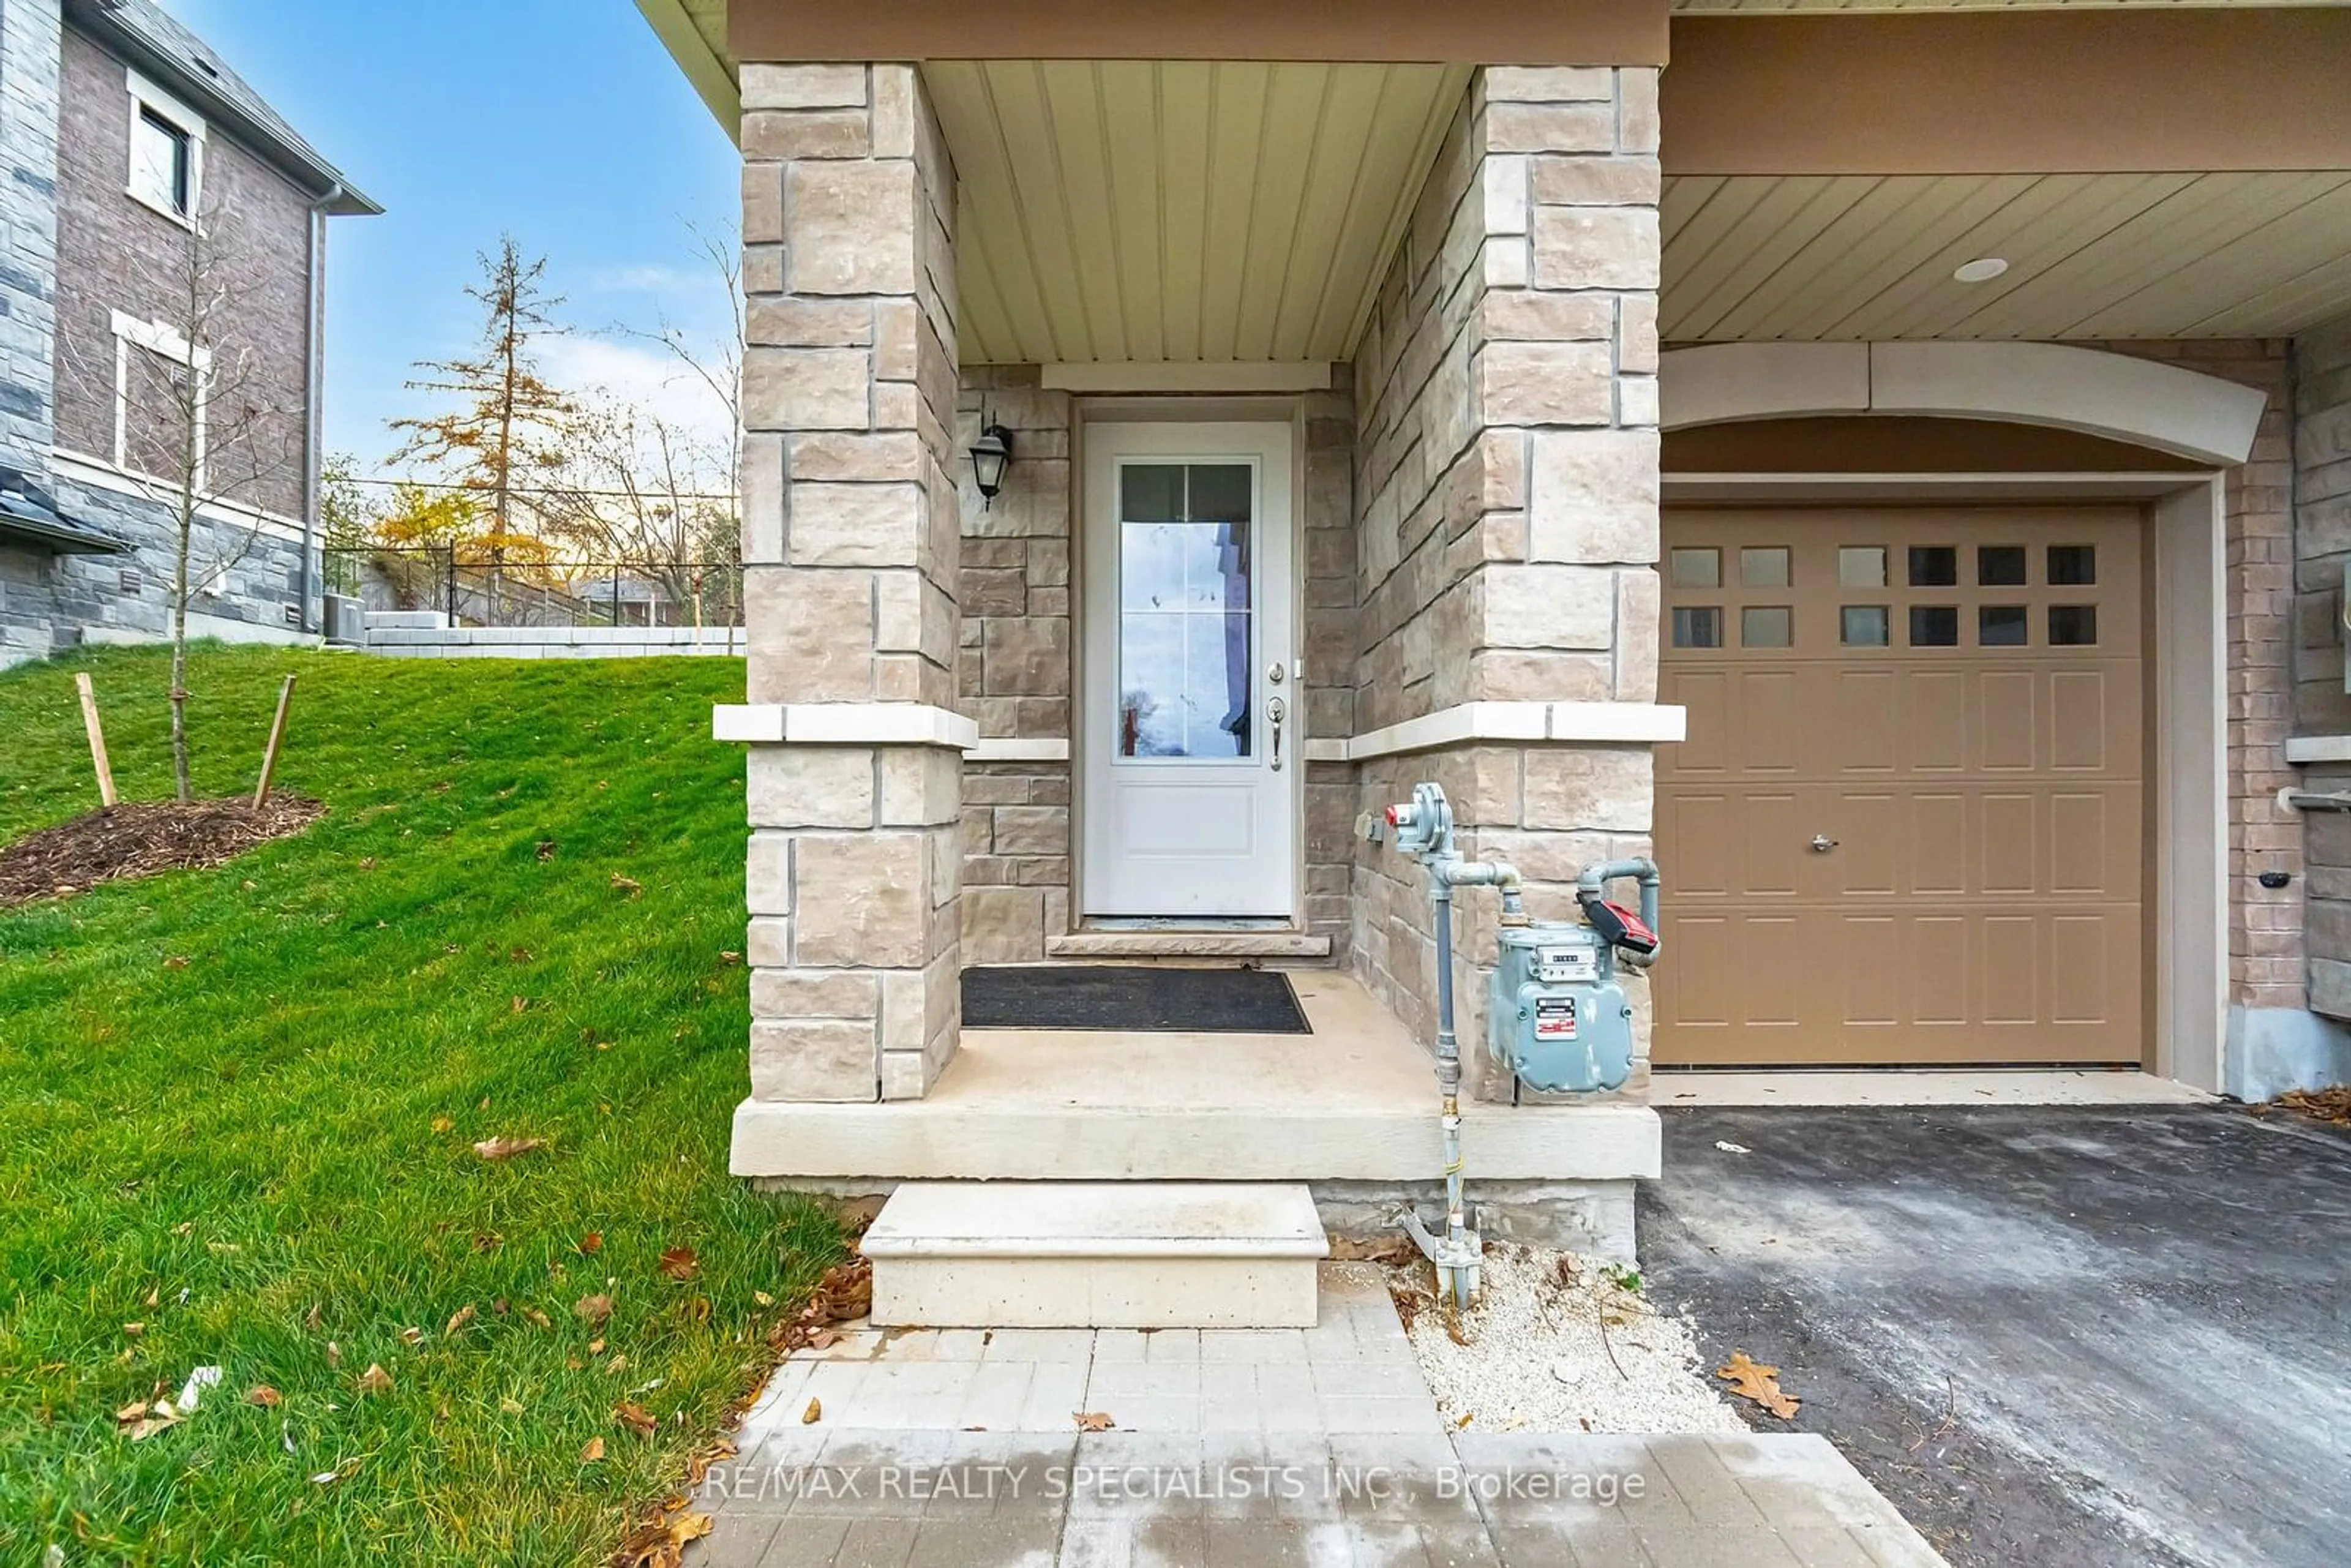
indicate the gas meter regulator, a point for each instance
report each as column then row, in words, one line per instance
column 1556, row 1015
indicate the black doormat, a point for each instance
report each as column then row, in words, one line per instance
column 1133, row 997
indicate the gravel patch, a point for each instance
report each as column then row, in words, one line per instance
column 1554, row 1344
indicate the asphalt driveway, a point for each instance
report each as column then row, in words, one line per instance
column 2050, row 1335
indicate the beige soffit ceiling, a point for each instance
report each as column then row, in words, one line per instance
column 2090, row 255
column 1153, row 211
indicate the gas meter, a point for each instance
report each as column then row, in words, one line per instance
column 1556, row 1016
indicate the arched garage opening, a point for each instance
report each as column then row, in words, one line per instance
column 1948, row 620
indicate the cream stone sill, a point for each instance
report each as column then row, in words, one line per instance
column 2318, row 749
column 1529, row 723
column 843, row 724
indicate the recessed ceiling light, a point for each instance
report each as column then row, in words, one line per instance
column 1982, row 269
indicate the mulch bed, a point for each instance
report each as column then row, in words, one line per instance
column 141, row 838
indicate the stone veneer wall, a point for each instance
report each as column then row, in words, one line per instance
column 1014, row 671
column 1507, row 490
column 849, row 545
column 1017, row 674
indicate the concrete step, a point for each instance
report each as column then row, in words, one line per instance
column 1142, row 1255
column 407, row 620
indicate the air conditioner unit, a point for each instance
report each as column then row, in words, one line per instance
column 346, row 620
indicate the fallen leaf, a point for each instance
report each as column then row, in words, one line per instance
column 593, row 1453
column 537, row 1319
column 412, row 1337
column 635, row 1417
column 1731, row 1148
column 593, row 1310
column 688, row 1527
column 764, row 1299
column 459, row 1319
column 821, row 1339
column 510, row 1406
column 618, row 1364
column 629, row 885
column 135, row 1329
column 520, row 1004
column 592, row 1242
column 442, row 1125
column 519, row 954
column 375, row 1380
column 268, row 1398
column 132, row 1412
column 813, row 1414
column 730, row 957
column 1752, row 1381
column 154, row 1295
column 1094, row 1420
column 595, row 1347
column 334, row 1354
column 175, row 962
column 506, row 1148
column 547, row 849
column 680, row 1263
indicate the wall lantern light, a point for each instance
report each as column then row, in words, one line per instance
column 991, row 455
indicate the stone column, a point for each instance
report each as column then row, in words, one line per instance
column 30, row 45
column 851, row 560
column 1507, row 490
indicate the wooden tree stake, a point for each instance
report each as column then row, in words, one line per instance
column 277, row 735
column 96, row 740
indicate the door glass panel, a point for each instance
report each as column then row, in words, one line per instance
column 1695, row 568
column 1763, row 566
column 1862, row 625
column 1861, row 566
column 1934, row 566
column 2072, row 625
column 1185, row 598
column 1999, row 566
column 1934, row 626
column 2001, row 626
column 2073, row 566
column 1697, row 626
column 1766, row 626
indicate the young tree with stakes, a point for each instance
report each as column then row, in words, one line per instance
column 206, row 428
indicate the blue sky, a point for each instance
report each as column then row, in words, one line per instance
column 561, row 122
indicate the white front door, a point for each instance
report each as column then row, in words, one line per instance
column 1192, row 713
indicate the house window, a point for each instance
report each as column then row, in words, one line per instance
column 158, row 401
column 167, row 144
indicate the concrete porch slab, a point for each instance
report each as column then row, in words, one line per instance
column 1354, row 1101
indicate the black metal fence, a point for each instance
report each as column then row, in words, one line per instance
column 473, row 591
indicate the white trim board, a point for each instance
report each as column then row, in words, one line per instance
column 1014, row 748
column 1243, row 377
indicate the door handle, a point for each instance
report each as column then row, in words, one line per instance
column 1277, row 710
column 1822, row 844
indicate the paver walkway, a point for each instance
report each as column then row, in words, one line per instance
column 1243, row 1448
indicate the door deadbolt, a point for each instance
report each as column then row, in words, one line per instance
column 1822, row 844
column 1277, row 672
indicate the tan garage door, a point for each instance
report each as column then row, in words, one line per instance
column 1906, row 827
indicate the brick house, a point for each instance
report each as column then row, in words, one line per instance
column 137, row 162
column 1894, row 462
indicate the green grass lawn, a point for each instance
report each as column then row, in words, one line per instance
column 264, row 1154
